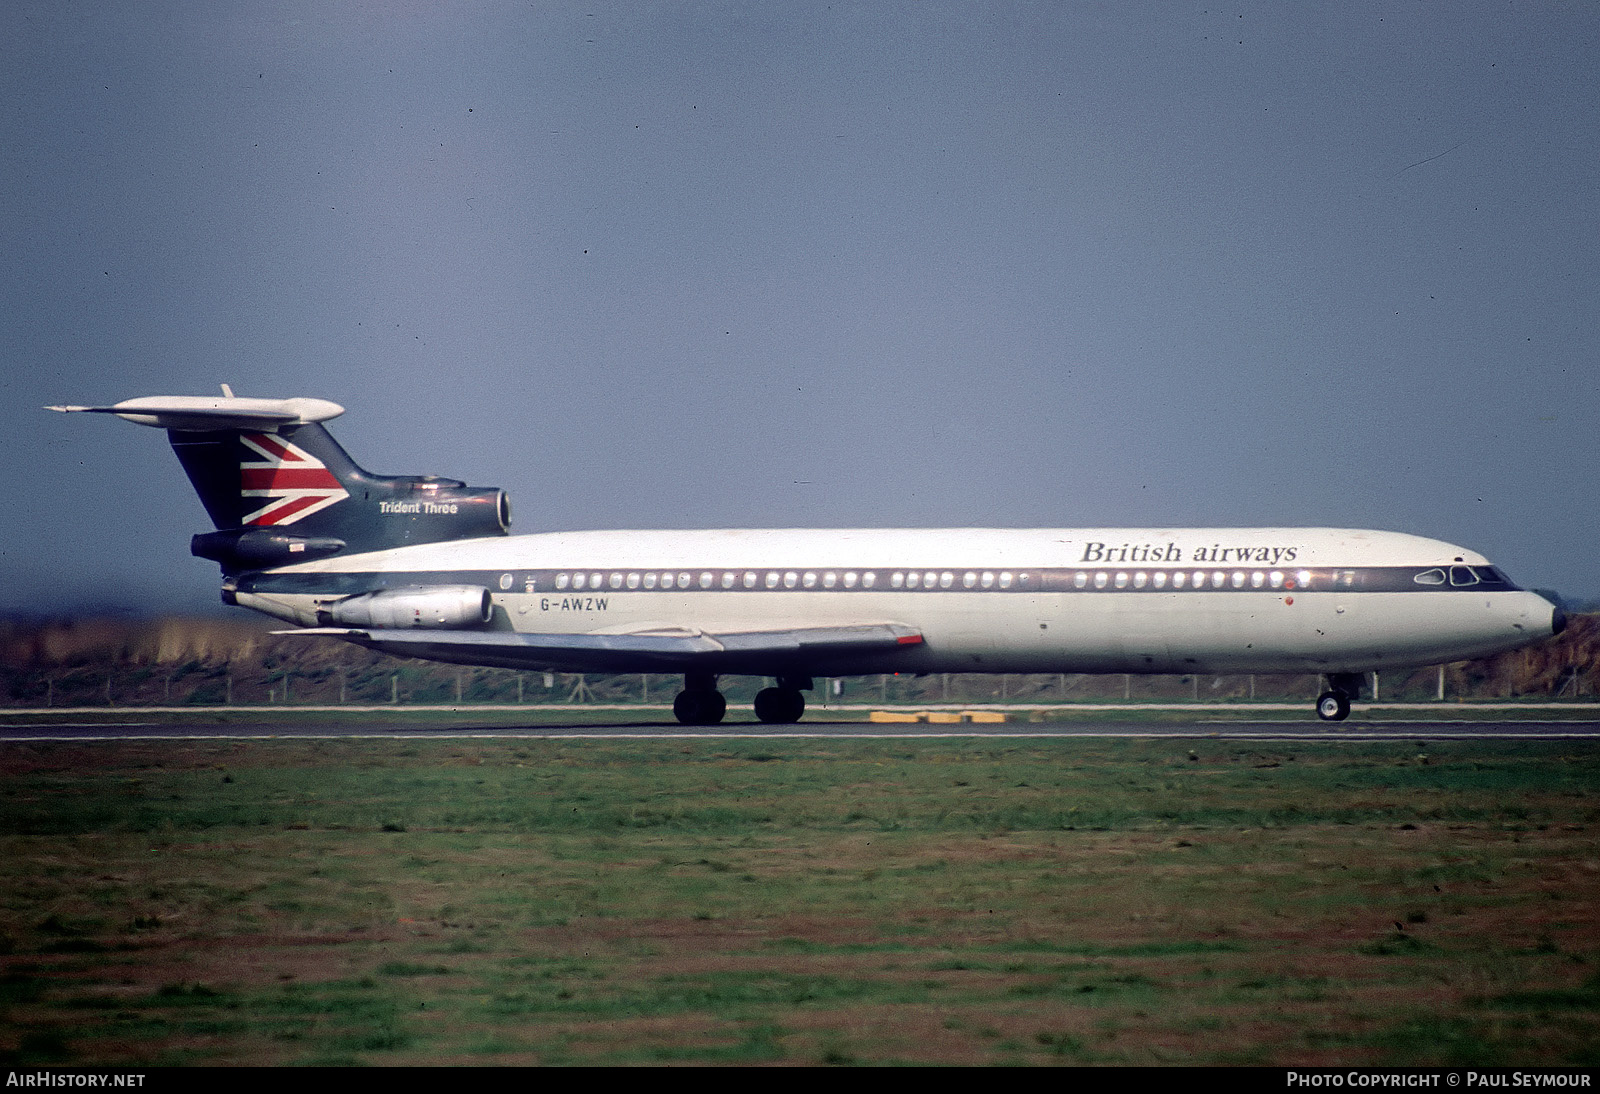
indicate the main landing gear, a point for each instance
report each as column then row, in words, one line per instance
column 1333, row 705
column 783, row 705
column 701, row 704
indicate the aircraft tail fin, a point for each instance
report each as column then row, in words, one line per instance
column 280, row 489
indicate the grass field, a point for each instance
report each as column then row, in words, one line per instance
column 429, row 901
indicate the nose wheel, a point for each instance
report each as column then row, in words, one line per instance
column 1333, row 705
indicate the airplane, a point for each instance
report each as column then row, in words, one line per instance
column 424, row 566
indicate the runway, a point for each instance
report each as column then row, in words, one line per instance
column 133, row 729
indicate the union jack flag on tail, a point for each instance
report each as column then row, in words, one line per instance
column 294, row 482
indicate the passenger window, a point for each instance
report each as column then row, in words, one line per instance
column 1122, row 581
column 790, row 579
column 868, row 579
column 830, row 579
column 1218, row 578
column 633, row 581
column 849, row 579
column 1080, row 580
column 561, row 581
column 912, row 580
column 1159, row 580
column 750, row 579
column 772, row 579
column 897, row 580
column 616, row 581
column 649, row 581
column 1178, row 579
column 1005, row 579
column 1101, row 580
column 1238, row 579
column 579, row 580
column 946, row 579
column 1139, row 579
column 728, row 578
column 810, row 580
column 969, row 580
column 1275, row 578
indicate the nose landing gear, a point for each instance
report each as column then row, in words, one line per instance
column 1333, row 705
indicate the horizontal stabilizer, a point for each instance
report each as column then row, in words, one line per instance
column 669, row 651
column 202, row 413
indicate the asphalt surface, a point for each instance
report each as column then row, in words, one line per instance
column 1356, row 729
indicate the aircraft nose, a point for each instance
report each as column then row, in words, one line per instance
column 1558, row 614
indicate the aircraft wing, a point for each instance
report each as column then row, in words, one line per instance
column 756, row 652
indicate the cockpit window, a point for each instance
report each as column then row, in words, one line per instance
column 1434, row 576
column 1462, row 575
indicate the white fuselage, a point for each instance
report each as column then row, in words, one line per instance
column 983, row 600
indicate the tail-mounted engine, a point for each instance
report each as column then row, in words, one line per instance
column 446, row 606
column 259, row 549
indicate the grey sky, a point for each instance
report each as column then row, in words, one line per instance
column 679, row 265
